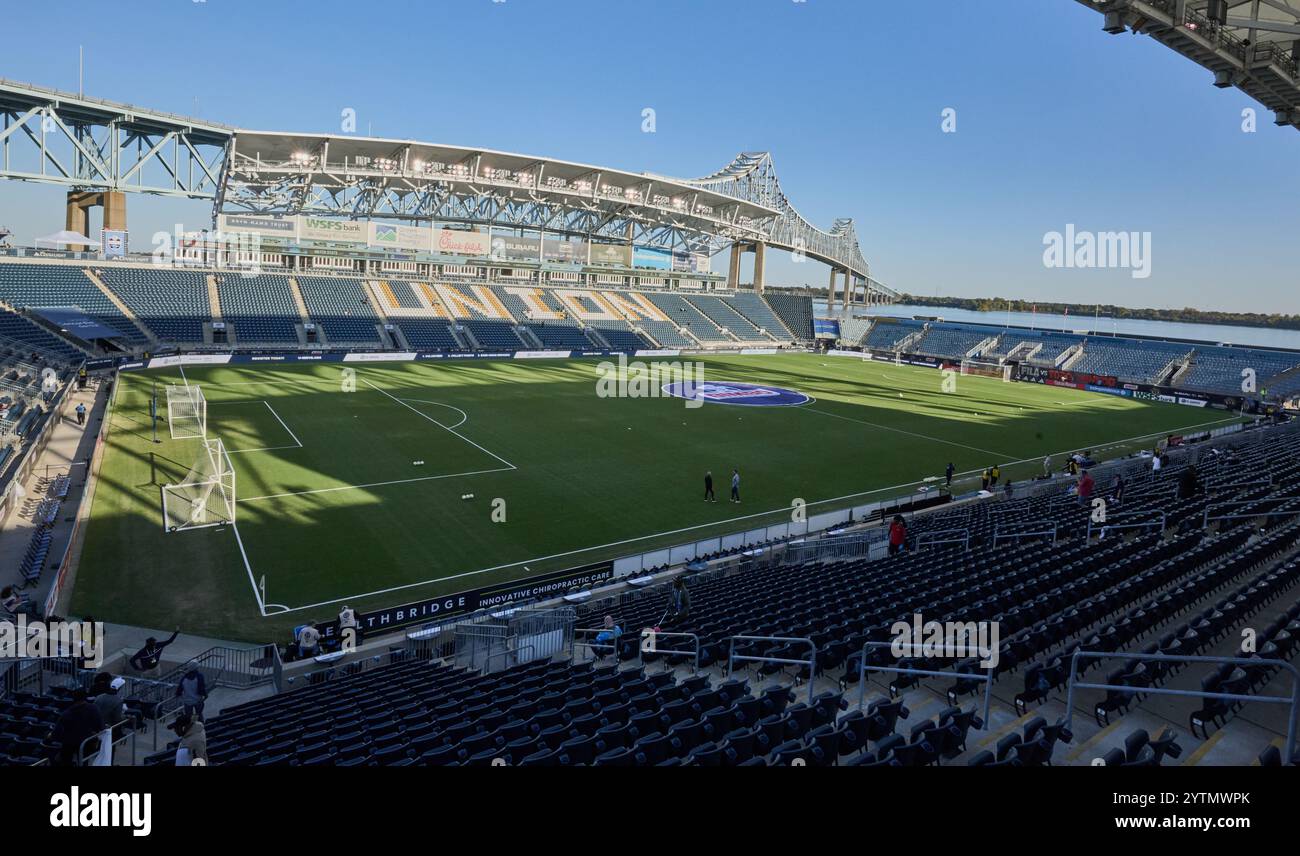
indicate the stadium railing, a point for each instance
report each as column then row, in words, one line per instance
column 935, row 537
column 1155, row 519
column 811, row 662
column 1292, row 700
column 1048, row 528
column 863, row 668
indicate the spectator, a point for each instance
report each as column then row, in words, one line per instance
column 984, row 478
column 15, row 603
column 948, row 473
column 192, row 750
column 608, row 637
column 193, row 692
column 348, row 621
column 1086, row 485
column 81, row 414
column 1188, row 483
column 75, row 725
column 1117, row 489
column 308, row 641
column 104, row 696
column 148, row 658
column 897, row 535
column 680, row 603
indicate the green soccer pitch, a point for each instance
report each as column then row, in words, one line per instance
column 356, row 494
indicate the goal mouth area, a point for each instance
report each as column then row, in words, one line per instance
column 187, row 412
column 206, row 496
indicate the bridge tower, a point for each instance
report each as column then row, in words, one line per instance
column 759, row 249
column 81, row 201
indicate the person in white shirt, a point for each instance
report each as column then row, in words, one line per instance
column 348, row 622
column 308, row 641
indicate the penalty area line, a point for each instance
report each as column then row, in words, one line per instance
column 439, row 424
column 372, row 484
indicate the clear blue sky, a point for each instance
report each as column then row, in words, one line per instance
column 1057, row 122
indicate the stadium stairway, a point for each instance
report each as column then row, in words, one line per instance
column 122, row 307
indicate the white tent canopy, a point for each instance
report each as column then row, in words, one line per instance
column 65, row 238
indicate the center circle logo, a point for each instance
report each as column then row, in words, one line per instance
column 746, row 394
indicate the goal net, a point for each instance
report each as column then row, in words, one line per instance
column 980, row 369
column 187, row 412
column 206, row 497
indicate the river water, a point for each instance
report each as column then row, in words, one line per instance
column 1218, row 333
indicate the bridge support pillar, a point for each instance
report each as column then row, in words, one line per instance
column 848, row 287
column 78, row 211
column 830, row 291
column 733, row 273
column 760, row 250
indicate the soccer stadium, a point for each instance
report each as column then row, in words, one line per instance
column 425, row 454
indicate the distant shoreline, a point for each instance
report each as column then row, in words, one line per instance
column 1186, row 315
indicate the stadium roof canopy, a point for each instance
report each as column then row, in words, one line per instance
column 1250, row 44
column 288, row 173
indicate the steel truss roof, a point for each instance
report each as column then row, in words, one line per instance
column 1249, row 44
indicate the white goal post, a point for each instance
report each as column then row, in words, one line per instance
column 981, row 369
column 187, row 412
column 206, row 497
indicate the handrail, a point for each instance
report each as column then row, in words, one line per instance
column 925, row 539
column 484, row 670
column 1294, row 700
column 811, row 662
column 95, row 740
column 161, row 714
column 987, row 679
column 655, row 649
column 997, row 531
column 1205, row 518
column 1160, row 519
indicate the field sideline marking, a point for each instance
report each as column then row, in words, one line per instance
column 278, row 419
column 729, row 520
column 439, row 424
column 372, row 484
column 281, row 421
column 999, row 455
column 257, row 595
column 784, row 508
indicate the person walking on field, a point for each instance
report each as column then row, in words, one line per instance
column 708, row 487
column 948, row 473
column 735, row 486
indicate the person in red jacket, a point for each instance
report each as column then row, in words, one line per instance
column 1086, row 485
column 897, row 535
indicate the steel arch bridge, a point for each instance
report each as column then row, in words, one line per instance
column 104, row 149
